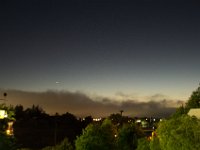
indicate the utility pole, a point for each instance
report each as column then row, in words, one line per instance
column 121, row 120
column 121, row 111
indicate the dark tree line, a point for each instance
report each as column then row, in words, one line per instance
column 34, row 128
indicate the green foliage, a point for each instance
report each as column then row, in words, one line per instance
column 10, row 117
column 143, row 144
column 179, row 111
column 108, row 134
column 10, row 111
column 97, row 137
column 155, row 144
column 194, row 100
column 6, row 143
column 127, row 137
column 179, row 133
column 103, row 137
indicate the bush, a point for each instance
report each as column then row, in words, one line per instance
column 155, row 144
column 127, row 137
column 143, row 144
column 179, row 133
column 97, row 137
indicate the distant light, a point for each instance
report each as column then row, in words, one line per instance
column 8, row 132
column 6, row 115
column 138, row 121
column 96, row 119
column 57, row 82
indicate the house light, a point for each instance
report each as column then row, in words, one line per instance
column 9, row 130
column 3, row 114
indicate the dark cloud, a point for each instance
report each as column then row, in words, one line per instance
column 150, row 108
column 81, row 105
column 157, row 97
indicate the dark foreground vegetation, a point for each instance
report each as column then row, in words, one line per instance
column 36, row 130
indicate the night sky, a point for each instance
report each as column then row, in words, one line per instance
column 120, row 50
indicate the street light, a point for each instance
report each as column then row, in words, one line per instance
column 4, row 95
